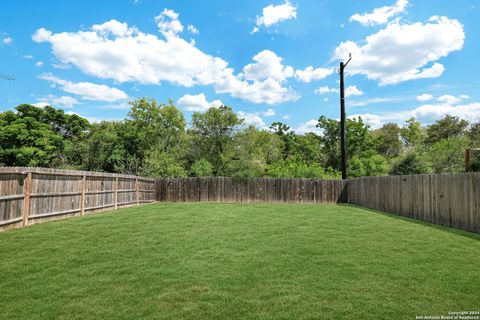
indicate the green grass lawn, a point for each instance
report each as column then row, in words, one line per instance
column 237, row 261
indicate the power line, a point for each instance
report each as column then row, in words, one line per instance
column 343, row 138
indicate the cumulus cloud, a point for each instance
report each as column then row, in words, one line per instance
column 168, row 23
column 252, row 119
column 353, row 91
column 310, row 74
column 197, row 103
column 7, row 40
column 325, row 90
column 424, row 97
column 267, row 65
column 122, row 53
column 52, row 100
column 380, row 15
column 87, row 90
column 349, row 91
column 39, row 63
column 269, row 113
column 273, row 14
column 426, row 113
column 192, row 29
column 402, row 52
column 308, row 126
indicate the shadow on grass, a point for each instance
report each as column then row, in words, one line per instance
column 464, row 233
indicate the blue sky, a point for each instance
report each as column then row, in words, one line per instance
column 271, row 60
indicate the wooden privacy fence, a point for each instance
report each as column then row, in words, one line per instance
column 451, row 200
column 33, row 195
column 223, row 189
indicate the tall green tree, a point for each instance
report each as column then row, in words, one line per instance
column 212, row 135
column 447, row 127
column 387, row 140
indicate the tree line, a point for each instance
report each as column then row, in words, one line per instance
column 154, row 140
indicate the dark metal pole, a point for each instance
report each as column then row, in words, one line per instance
column 343, row 142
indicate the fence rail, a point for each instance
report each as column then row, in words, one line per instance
column 34, row 195
column 223, row 189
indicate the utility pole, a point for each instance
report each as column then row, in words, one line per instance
column 343, row 138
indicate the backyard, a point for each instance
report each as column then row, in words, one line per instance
column 237, row 261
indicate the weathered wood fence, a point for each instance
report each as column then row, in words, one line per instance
column 223, row 189
column 451, row 200
column 33, row 195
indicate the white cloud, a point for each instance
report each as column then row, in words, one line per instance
column 402, row 52
column 39, row 63
column 118, row 52
column 197, row 103
column 192, row 29
column 268, row 91
column 427, row 113
column 380, row 15
column 273, row 14
column 8, row 40
column 308, row 126
column 267, row 65
column 252, row 119
column 168, row 23
column 87, row 90
column 464, row 96
column 424, row 97
column 52, row 100
column 353, row 91
column 269, row 113
column 449, row 99
column 27, row 56
column 326, row 89
column 349, row 91
column 287, row 117
column 310, row 74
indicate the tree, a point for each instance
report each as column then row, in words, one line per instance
column 413, row 134
column 213, row 133
column 368, row 164
column 201, row 168
column 34, row 136
column 447, row 127
column 474, row 135
column 387, row 140
column 410, row 163
column 358, row 139
column 447, row 155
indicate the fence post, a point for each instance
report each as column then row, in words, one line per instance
column 116, row 193
column 82, row 197
column 26, row 198
column 136, row 191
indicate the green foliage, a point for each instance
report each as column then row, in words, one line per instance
column 387, row 140
column 299, row 170
column 212, row 135
column 202, row 168
column 410, row 163
column 34, row 136
column 475, row 166
column 448, row 155
column 155, row 141
column 447, row 127
column 359, row 139
column 413, row 134
column 367, row 165
column 161, row 164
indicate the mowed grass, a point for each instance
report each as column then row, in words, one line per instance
column 237, row 261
